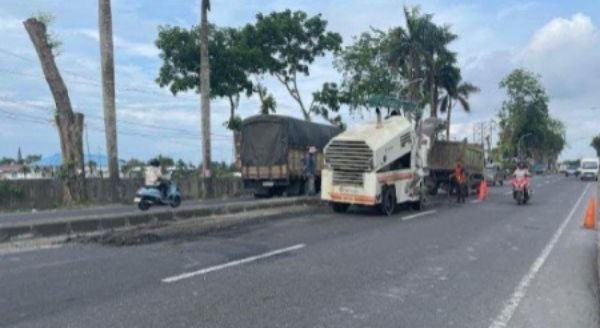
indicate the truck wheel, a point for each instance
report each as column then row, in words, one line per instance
column 388, row 200
column 339, row 207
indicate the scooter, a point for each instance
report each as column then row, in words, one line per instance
column 521, row 192
column 148, row 196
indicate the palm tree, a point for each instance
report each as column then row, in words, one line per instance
column 205, row 87
column 416, row 50
column 108, row 92
column 459, row 91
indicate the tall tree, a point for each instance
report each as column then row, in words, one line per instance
column 205, row 87
column 455, row 91
column 365, row 71
column 416, row 50
column 108, row 93
column 19, row 156
column 70, row 124
column 227, row 57
column 290, row 42
column 596, row 144
column 525, row 112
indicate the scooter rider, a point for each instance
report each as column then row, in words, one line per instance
column 521, row 173
column 154, row 177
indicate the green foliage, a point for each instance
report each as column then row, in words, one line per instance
column 365, row 70
column 327, row 101
column 418, row 51
column 230, row 62
column 7, row 160
column 32, row 158
column 525, row 111
column 130, row 165
column 596, row 144
column 287, row 43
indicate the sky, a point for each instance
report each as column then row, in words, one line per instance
column 559, row 40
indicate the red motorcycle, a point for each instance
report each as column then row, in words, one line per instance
column 521, row 190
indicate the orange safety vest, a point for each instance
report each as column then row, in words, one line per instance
column 459, row 175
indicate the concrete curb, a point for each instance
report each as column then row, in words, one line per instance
column 113, row 221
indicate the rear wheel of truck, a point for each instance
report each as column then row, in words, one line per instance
column 339, row 207
column 388, row 200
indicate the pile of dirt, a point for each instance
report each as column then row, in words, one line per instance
column 119, row 238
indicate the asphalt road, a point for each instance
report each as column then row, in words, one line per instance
column 58, row 214
column 489, row 264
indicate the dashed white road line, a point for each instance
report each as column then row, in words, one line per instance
column 475, row 201
column 414, row 216
column 513, row 302
column 231, row 264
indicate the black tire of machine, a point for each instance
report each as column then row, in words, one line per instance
column 388, row 200
column 339, row 207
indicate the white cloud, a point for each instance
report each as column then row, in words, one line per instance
column 131, row 48
column 517, row 8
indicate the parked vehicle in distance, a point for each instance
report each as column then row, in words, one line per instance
column 493, row 174
column 571, row 170
column 442, row 158
column 272, row 152
column 539, row 169
column 589, row 168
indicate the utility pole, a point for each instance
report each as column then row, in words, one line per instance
column 108, row 93
column 205, row 87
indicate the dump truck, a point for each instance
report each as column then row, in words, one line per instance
column 442, row 158
column 377, row 164
column 272, row 150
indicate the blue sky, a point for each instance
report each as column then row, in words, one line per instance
column 559, row 40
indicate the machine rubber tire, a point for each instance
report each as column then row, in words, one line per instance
column 388, row 201
column 176, row 202
column 143, row 206
column 339, row 207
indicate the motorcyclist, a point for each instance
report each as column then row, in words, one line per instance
column 154, row 177
column 521, row 172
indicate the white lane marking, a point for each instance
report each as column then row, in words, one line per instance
column 13, row 249
column 513, row 302
column 414, row 216
column 475, row 201
column 230, row 264
column 508, row 192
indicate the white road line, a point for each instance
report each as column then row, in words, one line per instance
column 475, row 201
column 511, row 305
column 508, row 192
column 230, row 264
column 414, row 216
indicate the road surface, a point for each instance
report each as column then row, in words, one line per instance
column 489, row 264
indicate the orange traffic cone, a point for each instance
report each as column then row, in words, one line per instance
column 482, row 190
column 589, row 222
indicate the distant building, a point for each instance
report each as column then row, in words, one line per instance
column 96, row 165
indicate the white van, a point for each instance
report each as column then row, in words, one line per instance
column 588, row 170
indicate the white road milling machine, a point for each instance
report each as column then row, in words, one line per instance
column 376, row 164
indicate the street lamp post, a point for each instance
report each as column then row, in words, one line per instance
column 519, row 145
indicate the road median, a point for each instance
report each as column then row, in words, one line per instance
column 99, row 223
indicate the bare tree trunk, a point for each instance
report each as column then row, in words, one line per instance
column 70, row 124
column 108, row 94
column 205, row 88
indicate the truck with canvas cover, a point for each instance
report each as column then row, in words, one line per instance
column 272, row 152
column 375, row 164
column 442, row 160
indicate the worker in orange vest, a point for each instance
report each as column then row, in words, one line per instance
column 460, row 180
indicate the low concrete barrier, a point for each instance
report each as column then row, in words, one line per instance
column 47, row 193
column 73, row 226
